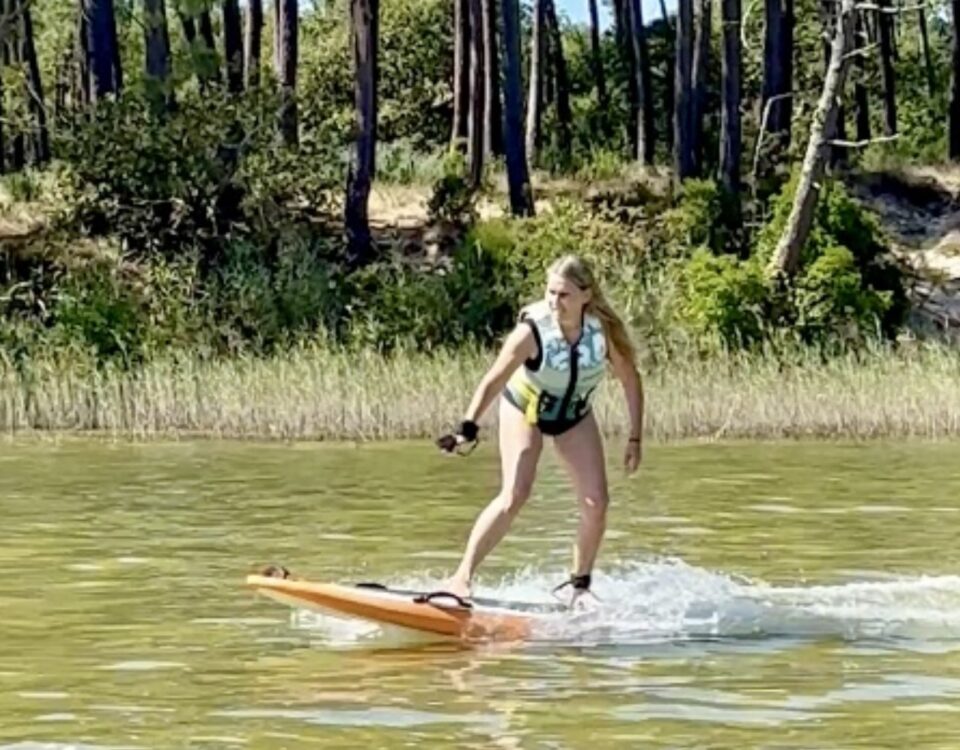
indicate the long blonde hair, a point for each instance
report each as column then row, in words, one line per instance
column 577, row 271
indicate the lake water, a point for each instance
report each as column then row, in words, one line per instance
column 795, row 595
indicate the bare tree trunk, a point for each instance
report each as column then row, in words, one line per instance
column 12, row 45
column 955, row 85
column 83, row 94
column 477, row 97
column 233, row 45
column 559, row 60
column 927, row 58
column 492, row 109
column 683, row 156
column 157, row 43
column 668, row 102
column 209, row 59
column 518, row 176
column 778, row 68
column 252, row 43
column 365, row 15
column 885, row 25
column 731, row 137
column 701, row 60
column 624, row 37
column 787, row 255
column 461, row 71
column 646, row 136
column 596, row 57
column 41, row 137
column 102, row 48
column 535, row 91
column 289, row 29
column 861, row 92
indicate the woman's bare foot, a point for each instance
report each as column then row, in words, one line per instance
column 459, row 586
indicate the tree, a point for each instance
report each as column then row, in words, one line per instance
column 475, row 119
column 778, row 69
column 365, row 32
column 927, row 56
column 252, row 43
column 461, row 70
column 233, row 45
column 955, row 86
column 885, row 27
column 646, row 133
column 861, row 92
column 731, row 137
column 683, row 154
column 41, row 137
column 102, row 48
column 288, row 17
column 559, row 66
column 787, row 254
column 157, row 45
column 596, row 59
column 701, row 61
column 535, row 81
column 492, row 108
column 518, row 177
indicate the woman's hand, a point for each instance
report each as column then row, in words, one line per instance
column 632, row 455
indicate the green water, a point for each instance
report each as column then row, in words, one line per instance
column 786, row 596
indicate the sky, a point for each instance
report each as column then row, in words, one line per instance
column 576, row 10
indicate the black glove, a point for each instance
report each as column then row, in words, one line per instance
column 468, row 432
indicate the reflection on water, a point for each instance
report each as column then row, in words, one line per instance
column 751, row 596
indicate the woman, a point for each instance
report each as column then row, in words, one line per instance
column 548, row 370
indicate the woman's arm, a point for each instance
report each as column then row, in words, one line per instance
column 629, row 377
column 519, row 347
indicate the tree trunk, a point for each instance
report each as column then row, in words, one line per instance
column 861, row 92
column 157, row 43
column 252, row 43
column 288, row 54
column 927, row 58
column 102, row 49
column 701, row 60
column 13, row 57
column 461, row 71
column 778, row 68
column 535, row 83
column 731, row 137
column 683, row 157
column 209, row 70
column 559, row 65
column 492, row 109
column 233, row 45
column 624, row 38
column 646, row 134
column 955, row 86
column 82, row 95
column 477, row 97
column 885, row 25
column 668, row 100
column 34, row 82
column 518, row 177
column 787, row 255
column 365, row 27
column 596, row 57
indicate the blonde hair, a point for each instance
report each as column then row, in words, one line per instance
column 577, row 271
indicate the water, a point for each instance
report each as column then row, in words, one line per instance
column 762, row 596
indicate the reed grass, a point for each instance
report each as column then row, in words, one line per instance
column 316, row 393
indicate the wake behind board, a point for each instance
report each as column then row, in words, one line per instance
column 437, row 613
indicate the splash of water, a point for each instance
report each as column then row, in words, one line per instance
column 667, row 599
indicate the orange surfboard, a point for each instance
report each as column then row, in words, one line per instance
column 437, row 613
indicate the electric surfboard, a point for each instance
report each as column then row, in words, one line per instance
column 437, row 612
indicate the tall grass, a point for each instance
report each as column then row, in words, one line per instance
column 317, row 393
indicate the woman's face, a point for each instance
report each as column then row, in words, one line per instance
column 565, row 298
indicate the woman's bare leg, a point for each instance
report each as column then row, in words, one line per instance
column 520, row 448
column 581, row 451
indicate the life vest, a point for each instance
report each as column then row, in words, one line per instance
column 557, row 386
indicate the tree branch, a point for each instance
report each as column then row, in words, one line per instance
column 864, row 144
column 763, row 129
